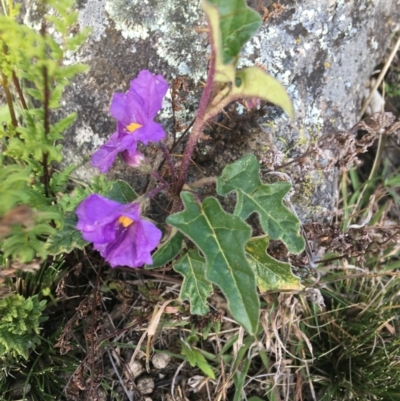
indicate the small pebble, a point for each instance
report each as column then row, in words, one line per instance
column 160, row 361
column 145, row 385
column 101, row 394
column 136, row 368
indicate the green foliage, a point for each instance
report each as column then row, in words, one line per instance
column 195, row 357
column 14, row 181
column 195, row 287
column 233, row 261
column 44, row 375
column 253, row 82
column 43, row 378
column 355, row 345
column 67, row 239
column 392, row 90
column 19, row 325
column 36, row 58
column 232, row 24
column 221, row 237
column 98, row 185
column 271, row 273
column 121, row 192
column 168, row 250
column 34, row 77
column 237, row 24
column 277, row 221
column 239, row 379
column 25, row 243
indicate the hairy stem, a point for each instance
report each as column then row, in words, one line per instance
column 155, row 191
column 197, row 127
column 19, row 91
column 159, row 178
column 169, row 160
column 10, row 104
column 46, row 120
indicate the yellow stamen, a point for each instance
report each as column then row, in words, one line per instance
column 133, row 127
column 125, row 221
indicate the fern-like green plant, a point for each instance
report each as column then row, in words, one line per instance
column 33, row 76
column 19, row 325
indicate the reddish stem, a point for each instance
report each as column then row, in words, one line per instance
column 169, row 160
column 10, row 105
column 197, row 127
column 155, row 191
column 19, row 91
column 46, row 118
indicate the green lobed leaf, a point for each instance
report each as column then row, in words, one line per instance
column 271, row 273
column 221, row 237
column 67, row 239
column 253, row 82
column 121, row 192
column 253, row 196
column 232, row 24
column 195, row 288
column 237, row 24
column 223, row 72
column 167, row 251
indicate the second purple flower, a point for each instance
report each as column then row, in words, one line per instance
column 117, row 231
column 134, row 111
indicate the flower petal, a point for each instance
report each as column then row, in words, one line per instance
column 97, row 218
column 134, row 111
column 119, row 108
column 104, row 158
column 151, row 132
column 131, row 210
column 133, row 159
column 133, row 245
column 129, row 243
column 151, row 89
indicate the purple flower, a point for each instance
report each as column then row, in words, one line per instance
column 117, row 231
column 134, row 111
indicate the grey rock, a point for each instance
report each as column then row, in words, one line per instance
column 321, row 51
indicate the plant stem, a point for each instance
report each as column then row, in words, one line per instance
column 46, row 120
column 19, row 91
column 159, row 178
column 197, row 127
column 155, row 191
column 10, row 105
column 170, row 163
